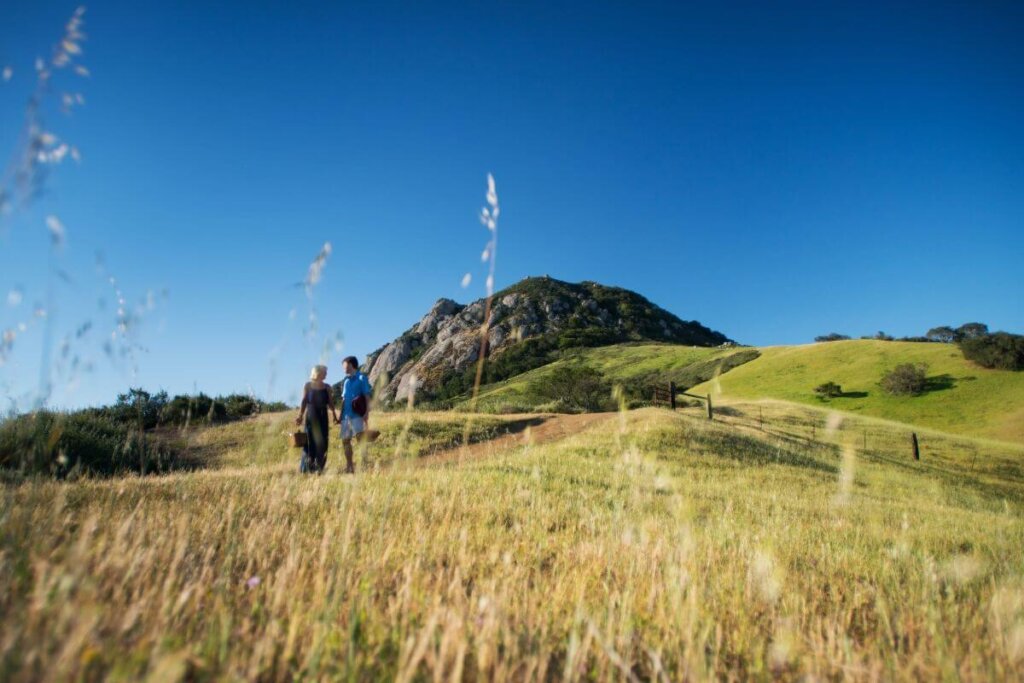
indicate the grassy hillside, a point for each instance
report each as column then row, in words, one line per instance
column 964, row 398
column 635, row 366
column 652, row 545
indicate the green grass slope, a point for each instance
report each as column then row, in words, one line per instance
column 636, row 366
column 965, row 398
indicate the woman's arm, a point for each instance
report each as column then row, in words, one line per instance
column 330, row 403
column 302, row 406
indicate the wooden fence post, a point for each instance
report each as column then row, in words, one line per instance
column 710, row 412
column 913, row 442
column 672, row 394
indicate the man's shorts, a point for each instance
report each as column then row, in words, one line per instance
column 351, row 425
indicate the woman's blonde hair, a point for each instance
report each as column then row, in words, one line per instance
column 317, row 372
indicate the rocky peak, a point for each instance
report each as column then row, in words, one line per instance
column 446, row 342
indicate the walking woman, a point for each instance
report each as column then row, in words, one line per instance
column 317, row 397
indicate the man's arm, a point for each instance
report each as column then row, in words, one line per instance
column 368, row 392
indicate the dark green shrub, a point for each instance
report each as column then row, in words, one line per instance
column 574, row 387
column 1001, row 350
column 137, row 408
column 198, row 409
column 239, row 405
column 828, row 390
column 87, row 441
column 905, row 380
column 832, row 336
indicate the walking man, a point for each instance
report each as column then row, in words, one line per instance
column 355, row 411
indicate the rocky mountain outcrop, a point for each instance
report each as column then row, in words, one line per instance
column 446, row 342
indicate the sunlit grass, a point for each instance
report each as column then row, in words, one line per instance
column 969, row 399
column 674, row 548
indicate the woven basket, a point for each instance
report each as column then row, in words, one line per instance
column 297, row 439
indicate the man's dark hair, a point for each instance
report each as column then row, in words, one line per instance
column 351, row 359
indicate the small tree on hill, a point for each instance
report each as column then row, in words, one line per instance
column 944, row 334
column 971, row 331
column 905, row 380
column 832, row 336
column 828, row 390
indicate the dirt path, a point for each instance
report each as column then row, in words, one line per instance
column 550, row 427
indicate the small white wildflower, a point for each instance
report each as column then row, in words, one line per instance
column 492, row 193
column 7, row 73
column 466, row 279
column 57, row 231
column 82, row 71
column 485, row 255
column 14, row 297
column 490, row 284
column 316, row 268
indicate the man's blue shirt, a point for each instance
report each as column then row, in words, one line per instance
column 354, row 385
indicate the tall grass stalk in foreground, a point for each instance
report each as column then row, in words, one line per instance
column 489, row 219
column 38, row 151
column 23, row 181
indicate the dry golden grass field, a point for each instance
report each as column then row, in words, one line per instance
column 642, row 545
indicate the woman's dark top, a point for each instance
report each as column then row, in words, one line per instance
column 316, row 402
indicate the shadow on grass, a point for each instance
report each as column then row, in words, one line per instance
column 939, row 383
column 455, row 437
column 751, row 450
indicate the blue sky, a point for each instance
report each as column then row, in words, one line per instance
column 774, row 170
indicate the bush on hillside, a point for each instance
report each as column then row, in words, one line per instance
column 1001, row 350
column 828, row 390
column 832, row 336
column 87, row 441
column 115, row 438
column 137, row 407
column 906, row 379
column 574, row 387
